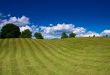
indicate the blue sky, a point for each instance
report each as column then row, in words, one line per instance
column 93, row 15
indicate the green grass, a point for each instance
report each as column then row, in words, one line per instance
column 79, row 56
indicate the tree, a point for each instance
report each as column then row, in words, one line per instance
column 0, row 34
column 72, row 35
column 10, row 31
column 38, row 35
column 106, row 36
column 93, row 35
column 64, row 35
column 26, row 34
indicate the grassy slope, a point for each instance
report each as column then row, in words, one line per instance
column 80, row 56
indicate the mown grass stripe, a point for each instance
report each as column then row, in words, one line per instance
column 61, row 63
column 66, row 51
column 71, row 57
column 63, row 50
column 13, row 60
column 89, row 64
column 27, row 62
column 6, row 50
column 24, row 70
column 55, row 51
column 90, row 59
column 2, row 53
column 69, row 62
column 49, row 56
column 3, row 42
column 45, row 49
column 39, row 57
column 72, row 61
column 6, row 58
column 20, row 59
column 55, row 57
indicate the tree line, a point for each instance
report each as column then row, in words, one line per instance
column 12, row 31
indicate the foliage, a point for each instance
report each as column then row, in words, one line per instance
column 64, row 35
column 0, row 34
column 10, row 31
column 106, row 36
column 26, row 34
column 72, row 35
column 93, row 35
column 38, row 35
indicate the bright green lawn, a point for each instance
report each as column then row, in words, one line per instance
column 79, row 56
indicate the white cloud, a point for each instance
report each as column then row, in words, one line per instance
column 58, row 27
column 89, row 33
column 23, row 21
column 3, row 22
column 12, row 20
column 105, row 32
column 79, row 30
column 56, row 30
column 50, row 31
column 25, row 27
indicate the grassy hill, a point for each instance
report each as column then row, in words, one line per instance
column 79, row 56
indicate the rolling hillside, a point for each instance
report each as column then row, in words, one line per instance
column 79, row 56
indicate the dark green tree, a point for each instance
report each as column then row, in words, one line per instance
column 10, row 31
column 72, row 35
column 106, row 36
column 0, row 34
column 26, row 34
column 93, row 35
column 64, row 35
column 38, row 35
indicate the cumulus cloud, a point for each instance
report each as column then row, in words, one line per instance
column 55, row 31
column 105, row 32
column 22, row 21
column 79, row 30
column 89, row 34
column 58, row 27
column 25, row 27
column 50, row 31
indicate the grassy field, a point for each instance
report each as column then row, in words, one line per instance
column 79, row 56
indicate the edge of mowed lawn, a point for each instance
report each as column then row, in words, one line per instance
column 75, row 56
